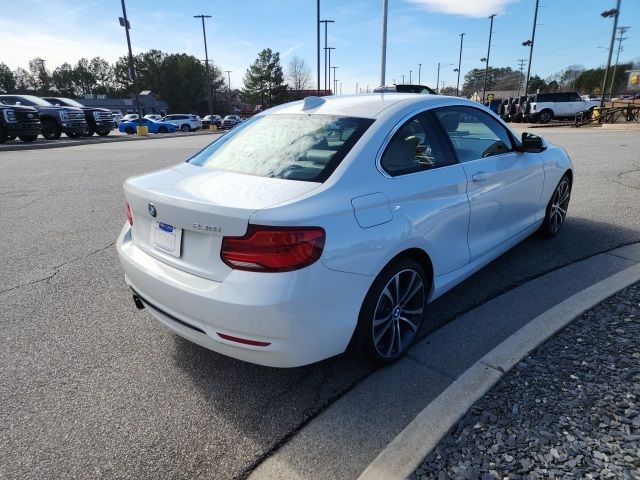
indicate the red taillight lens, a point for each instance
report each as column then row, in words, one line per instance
column 127, row 212
column 273, row 249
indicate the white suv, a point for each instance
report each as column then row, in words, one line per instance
column 186, row 123
column 547, row 106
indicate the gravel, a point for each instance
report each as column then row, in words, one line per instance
column 569, row 410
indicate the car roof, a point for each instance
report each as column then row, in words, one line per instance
column 364, row 105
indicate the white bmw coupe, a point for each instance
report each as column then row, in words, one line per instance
column 332, row 222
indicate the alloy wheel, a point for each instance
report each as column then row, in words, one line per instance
column 398, row 313
column 559, row 205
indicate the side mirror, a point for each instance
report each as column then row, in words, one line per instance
column 532, row 143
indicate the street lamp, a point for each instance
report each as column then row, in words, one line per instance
column 334, row 81
column 438, row 78
column 410, row 72
column 486, row 68
column 206, row 63
column 529, row 43
column 132, row 71
column 383, row 63
column 329, row 50
column 615, row 13
column 459, row 65
column 419, row 72
column 325, row 49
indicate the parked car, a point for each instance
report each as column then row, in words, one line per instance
column 547, row 106
column 184, row 122
column 334, row 221
column 19, row 122
column 117, row 117
column 405, row 88
column 54, row 119
column 129, row 127
column 154, row 116
column 211, row 119
column 130, row 117
column 99, row 120
column 230, row 121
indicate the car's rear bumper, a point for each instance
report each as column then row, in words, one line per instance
column 304, row 316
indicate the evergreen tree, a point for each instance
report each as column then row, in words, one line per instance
column 7, row 80
column 264, row 80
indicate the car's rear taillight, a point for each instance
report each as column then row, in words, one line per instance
column 273, row 249
column 127, row 212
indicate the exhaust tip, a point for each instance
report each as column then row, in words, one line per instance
column 138, row 303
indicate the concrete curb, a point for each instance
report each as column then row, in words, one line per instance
column 405, row 453
column 64, row 143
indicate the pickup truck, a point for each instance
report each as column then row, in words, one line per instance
column 99, row 120
column 17, row 121
column 55, row 120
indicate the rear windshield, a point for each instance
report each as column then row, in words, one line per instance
column 295, row 147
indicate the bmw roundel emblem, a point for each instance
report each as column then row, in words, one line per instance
column 152, row 210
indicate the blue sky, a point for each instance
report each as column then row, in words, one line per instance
column 420, row 32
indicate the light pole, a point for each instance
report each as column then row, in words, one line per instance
column 438, row 78
column 622, row 31
column 228, row 72
column 486, row 68
column 529, row 43
column 403, row 79
column 325, row 49
column 459, row 65
column 410, row 72
column 419, row 73
column 615, row 13
column 383, row 63
column 132, row 71
column 329, row 50
column 334, row 80
column 206, row 63
column 521, row 62
column 318, row 40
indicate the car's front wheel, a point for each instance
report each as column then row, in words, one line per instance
column 103, row 133
column 185, row 128
column 51, row 130
column 163, row 130
column 556, row 212
column 129, row 130
column 28, row 138
column 392, row 312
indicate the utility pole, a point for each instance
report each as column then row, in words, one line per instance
column 438, row 77
column 443, row 84
column 383, row 64
column 334, row 81
column 132, row 71
column 621, row 38
column 228, row 72
column 410, row 72
column 206, row 63
column 356, row 87
column 325, row 49
column 419, row 73
column 521, row 62
column 530, row 44
column 615, row 13
column 486, row 68
column 402, row 79
column 329, row 50
column 459, row 65
column 318, row 41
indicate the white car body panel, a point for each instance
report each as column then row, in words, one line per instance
column 369, row 218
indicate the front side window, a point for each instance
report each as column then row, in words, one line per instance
column 296, row 147
column 474, row 134
column 415, row 147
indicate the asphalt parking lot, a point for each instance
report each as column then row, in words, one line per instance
column 93, row 388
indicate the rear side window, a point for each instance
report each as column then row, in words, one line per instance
column 474, row 134
column 295, row 147
column 415, row 147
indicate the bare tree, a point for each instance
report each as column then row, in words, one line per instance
column 298, row 74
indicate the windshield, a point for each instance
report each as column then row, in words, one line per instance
column 37, row 100
column 71, row 103
column 295, row 147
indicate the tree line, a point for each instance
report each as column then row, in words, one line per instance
column 176, row 78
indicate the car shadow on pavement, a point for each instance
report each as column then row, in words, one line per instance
column 269, row 405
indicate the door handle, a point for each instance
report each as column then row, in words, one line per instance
column 480, row 176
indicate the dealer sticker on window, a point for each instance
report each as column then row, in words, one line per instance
column 166, row 238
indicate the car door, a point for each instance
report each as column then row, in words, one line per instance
column 426, row 191
column 575, row 103
column 503, row 185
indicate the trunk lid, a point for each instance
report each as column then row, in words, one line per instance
column 204, row 205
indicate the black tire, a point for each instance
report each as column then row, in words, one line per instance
column 28, row 138
column 556, row 211
column 104, row 133
column 74, row 134
column 11, row 137
column 545, row 116
column 185, row 128
column 129, row 130
column 384, row 317
column 3, row 135
column 163, row 130
column 89, row 133
column 51, row 130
